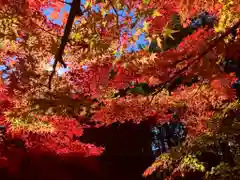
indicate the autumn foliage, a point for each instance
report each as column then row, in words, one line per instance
column 46, row 111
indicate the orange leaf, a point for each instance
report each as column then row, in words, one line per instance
column 65, row 17
column 11, row 63
column 54, row 15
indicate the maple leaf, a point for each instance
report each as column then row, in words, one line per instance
column 54, row 15
column 153, row 56
column 156, row 13
column 168, row 32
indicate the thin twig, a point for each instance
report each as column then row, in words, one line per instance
column 65, row 2
column 45, row 30
column 115, row 10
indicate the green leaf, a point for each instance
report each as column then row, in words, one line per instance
column 146, row 1
column 76, row 36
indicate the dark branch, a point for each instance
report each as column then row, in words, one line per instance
column 154, row 90
column 74, row 11
column 178, row 73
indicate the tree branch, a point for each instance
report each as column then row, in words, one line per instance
column 74, row 11
column 154, row 90
column 178, row 73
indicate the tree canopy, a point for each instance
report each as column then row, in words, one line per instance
column 178, row 73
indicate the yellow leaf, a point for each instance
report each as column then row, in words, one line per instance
column 138, row 32
column 135, row 38
column 87, row 4
column 149, row 39
column 153, row 56
column 103, row 11
column 145, row 26
column 76, row 36
column 81, row 63
column 104, row 23
column 136, row 35
column 156, row 13
column 159, row 42
column 167, row 32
